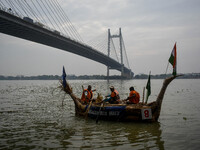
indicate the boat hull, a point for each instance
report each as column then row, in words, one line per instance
column 119, row 112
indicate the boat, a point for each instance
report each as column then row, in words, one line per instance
column 100, row 110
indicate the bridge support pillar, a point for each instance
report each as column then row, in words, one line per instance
column 121, row 53
column 109, row 37
column 108, row 72
column 122, row 71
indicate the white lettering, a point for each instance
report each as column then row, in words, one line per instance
column 93, row 112
column 114, row 113
column 104, row 113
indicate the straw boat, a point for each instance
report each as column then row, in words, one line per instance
column 149, row 112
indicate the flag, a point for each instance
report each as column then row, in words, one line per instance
column 64, row 77
column 172, row 60
column 148, row 86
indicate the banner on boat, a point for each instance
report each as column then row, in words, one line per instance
column 115, row 111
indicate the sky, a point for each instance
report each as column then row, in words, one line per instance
column 150, row 29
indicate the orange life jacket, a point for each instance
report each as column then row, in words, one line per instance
column 115, row 94
column 86, row 95
column 134, row 99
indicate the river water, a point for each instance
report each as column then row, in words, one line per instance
column 32, row 117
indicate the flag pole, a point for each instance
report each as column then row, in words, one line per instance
column 167, row 68
column 146, row 97
column 148, row 87
column 143, row 95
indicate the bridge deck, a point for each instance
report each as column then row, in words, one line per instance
column 15, row 26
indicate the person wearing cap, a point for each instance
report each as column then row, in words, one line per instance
column 134, row 96
column 87, row 94
column 113, row 97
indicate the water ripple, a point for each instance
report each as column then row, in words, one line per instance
column 32, row 117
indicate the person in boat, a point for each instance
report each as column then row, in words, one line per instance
column 113, row 98
column 87, row 94
column 134, row 96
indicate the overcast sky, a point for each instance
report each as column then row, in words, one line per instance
column 150, row 29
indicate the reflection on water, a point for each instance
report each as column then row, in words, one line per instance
column 114, row 135
column 32, row 117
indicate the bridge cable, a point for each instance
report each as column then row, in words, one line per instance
column 104, row 46
column 20, row 5
column 13, row 8
column 27, row 9
column 125, row 52
column 18, row 10
column 10, row 5
column 115, row 52
column 100, row 46
column 2, row 4
column 32, row 11
column 62, row 19
column 115, row 43
column 99, row 43
column 71, row 25
column 54, row 19
column 58, row 17
column 7, row 4
column 43, row 20
column 51, row 15
column 45, row 15
column 92, row 41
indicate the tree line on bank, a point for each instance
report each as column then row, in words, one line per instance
column 96, row 77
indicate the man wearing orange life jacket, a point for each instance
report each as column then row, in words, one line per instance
column 134, row 96
column 114, row 97
column 87, row 94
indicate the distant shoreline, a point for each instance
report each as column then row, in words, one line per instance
column 95, row 77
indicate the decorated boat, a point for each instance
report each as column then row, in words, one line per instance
column 100, row 110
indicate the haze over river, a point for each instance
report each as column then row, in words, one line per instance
column 32, row 117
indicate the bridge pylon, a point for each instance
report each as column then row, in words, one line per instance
column 123, row 73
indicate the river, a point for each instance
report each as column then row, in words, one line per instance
column 32, row 117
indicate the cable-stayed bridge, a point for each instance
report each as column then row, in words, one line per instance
column 46, row 23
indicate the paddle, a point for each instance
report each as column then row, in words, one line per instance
column 83, row 93
column 83, row 89
column 86, row 112
column 97, row 119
